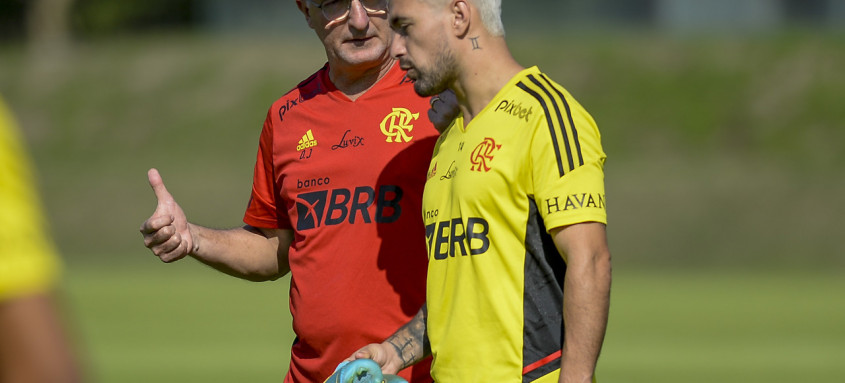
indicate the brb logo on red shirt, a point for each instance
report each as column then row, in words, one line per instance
column 336, row 206
column 482, row 155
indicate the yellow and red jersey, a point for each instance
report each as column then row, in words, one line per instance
column 531, row 161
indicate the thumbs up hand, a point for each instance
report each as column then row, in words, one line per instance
column 166, row 232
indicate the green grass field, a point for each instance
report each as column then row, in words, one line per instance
column 724, row 183
column 682, row 326
column 150, row 322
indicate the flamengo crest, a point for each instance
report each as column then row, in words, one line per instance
column 482, row 155
column 398, row 124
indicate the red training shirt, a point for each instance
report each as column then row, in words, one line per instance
column 347, row 177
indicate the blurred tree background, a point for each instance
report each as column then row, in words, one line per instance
column 712, row 88
column 723, row 121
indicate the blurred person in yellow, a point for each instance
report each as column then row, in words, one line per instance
column 34, row 344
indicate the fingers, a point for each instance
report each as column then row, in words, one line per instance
column 444, row 109
column 363, row 353
column 154, row 236
column 178, row 252
column 166, row 233
column 167, row 244
column 434, row 99
column 444, row 102
column 170, row 244
column 156, row 223
column 161, row 237
column 439, row 121
column 379, row 353
column 449, row 97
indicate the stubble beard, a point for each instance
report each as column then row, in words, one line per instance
column 437, row 79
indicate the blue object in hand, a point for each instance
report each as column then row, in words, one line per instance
column 362, row 371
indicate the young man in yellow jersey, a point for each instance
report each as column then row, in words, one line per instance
column 519, row 269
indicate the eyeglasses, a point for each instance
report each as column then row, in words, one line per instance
column 338, row 10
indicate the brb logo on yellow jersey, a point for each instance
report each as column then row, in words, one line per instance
column 448, row 239
column 398, row 125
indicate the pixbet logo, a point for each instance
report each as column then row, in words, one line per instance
column 514, row 109
column 336, row 206
column 289, row 104
column 483, row 154
column 398, row 124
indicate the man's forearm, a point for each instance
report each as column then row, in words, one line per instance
column 244, row 252
column 411, row 340
column 586, row 304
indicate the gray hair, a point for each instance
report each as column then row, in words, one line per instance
column 491, row 14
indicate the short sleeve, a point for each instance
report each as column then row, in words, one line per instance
column 263, row 209
column 568, row 168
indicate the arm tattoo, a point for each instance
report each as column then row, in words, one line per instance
column 475, row 44
column 411, row 341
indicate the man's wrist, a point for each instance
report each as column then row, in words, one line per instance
column 398, row 358
column 195, row 241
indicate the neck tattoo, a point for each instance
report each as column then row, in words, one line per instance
column 475, row 43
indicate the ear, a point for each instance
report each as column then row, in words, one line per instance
column 461, row 17
column 305, row 11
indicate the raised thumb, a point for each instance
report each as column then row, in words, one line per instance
column 159, row 189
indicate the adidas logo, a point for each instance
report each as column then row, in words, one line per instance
column 307, row 141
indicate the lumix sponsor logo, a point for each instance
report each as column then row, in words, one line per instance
column 575, row 202
column 348, row 141
column 514, row 109
column 451, row 172
column 454, row 237
column 336, row 206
